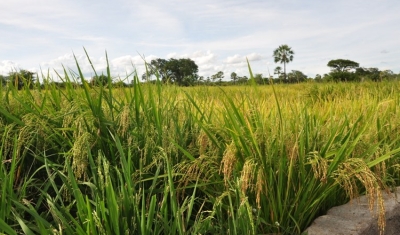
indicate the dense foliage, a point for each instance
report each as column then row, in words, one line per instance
column 100, row 80
column 342, row 65
column 21, row 78
column 159, row 159
column 179, row 71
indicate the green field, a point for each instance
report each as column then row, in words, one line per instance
column 159, row 159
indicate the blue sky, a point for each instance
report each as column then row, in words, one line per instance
column 217, row 35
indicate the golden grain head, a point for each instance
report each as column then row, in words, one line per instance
column 247, row 175
column 228, row 162
column 381, row 213
column 202, row 142
column 260, row 184
column 319, row 166
column 355, row 170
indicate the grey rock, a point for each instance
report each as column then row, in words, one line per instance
column 355, row 218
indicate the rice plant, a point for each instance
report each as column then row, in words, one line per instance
column 160, row 159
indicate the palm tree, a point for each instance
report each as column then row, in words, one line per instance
column 283, row 54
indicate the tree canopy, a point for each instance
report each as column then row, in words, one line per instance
column 22, row 78
column 297, row 76
column 341, row 70
column 234, row 77
column 368, row 73
column 278, row 71
column 283, row 54
column 342, row 65
column 179, row 71
column 218, row 76
column 100, row 80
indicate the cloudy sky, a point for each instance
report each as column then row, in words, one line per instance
column 217, row 35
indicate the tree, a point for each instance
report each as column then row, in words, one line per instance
column 297, row 76
column 184, row 71
column 341, row 70
column 101, row 80
column 341, row 65
column 345, row 76
column 258, row 78
column 278, row 70
column 145, row 76
column 283, row 54
column 387, row 75
column 318, row 78
column 22, row 78
column 201, row 79
column 234, row 77
column 368, row 73
column 218, row 76
column 157, row 67
column 243, row 80
column 179, row 71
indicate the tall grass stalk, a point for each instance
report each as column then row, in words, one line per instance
column 159, row 159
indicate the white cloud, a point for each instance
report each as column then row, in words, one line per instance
column 254, row 57
column 234, row 59
column 216, row 35
column 200, row 57
column 127, row 61
column 42, row 15
column 203, row 57
column 237, row 59
column 173, row 55
column 7, row 66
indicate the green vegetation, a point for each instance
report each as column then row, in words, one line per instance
column 21, row 78
column 283, row 54
column 218, row 76
column 101, row 80
column 182, row 72
column 161, row 159
column 341, row 65
column 342, row 70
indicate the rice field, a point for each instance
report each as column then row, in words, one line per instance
column 161, row 159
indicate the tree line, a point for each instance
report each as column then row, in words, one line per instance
column 19, row 79
column 184, row 72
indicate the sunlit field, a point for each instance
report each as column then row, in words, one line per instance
column 162, row 159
